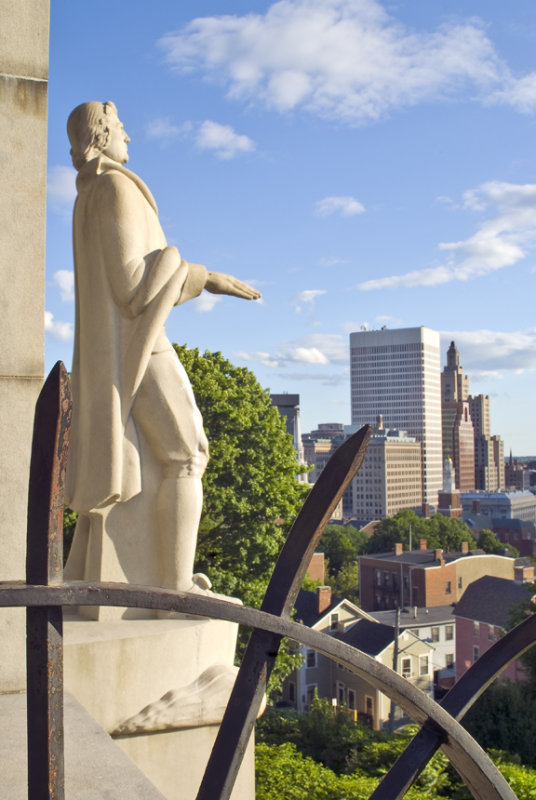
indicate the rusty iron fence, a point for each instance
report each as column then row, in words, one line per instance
column 44, row 594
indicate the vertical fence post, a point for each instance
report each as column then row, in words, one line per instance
column 44, row 565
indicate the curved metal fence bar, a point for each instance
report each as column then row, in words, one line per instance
column 476, row 769
column 457, row 702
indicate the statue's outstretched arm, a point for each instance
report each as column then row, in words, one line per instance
column 219, row 283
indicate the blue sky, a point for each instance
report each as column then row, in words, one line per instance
column 360, row 162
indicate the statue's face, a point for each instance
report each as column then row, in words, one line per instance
column 116, row 148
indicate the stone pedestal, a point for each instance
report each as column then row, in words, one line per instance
column 118, row 669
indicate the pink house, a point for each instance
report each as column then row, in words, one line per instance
column 482, row 617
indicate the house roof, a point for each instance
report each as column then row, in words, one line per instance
column 425, row 616
column 306, row 606
column 420, row 557
column 490, row 599
column 370, row 637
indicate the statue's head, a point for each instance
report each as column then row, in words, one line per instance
column 95, row 128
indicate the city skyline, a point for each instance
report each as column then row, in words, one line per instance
column 396, row 188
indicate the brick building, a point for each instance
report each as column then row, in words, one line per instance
column 424, row 577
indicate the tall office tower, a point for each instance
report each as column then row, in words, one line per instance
column 458, row 431
column 288, row 406
column 489, row 450
column 396, row 373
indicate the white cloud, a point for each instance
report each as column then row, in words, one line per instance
column 206, row 302
column 61, row 190
column 222, row 140
column 332, row 261
column 500, row 241
column 64, row 280
column 520, row 93
column 346, row 206
column 259, row 356
column 164, row 130
column 488, row 354
column 317, row 348
column 344, row 59
column 63, row 331
column 306, row 298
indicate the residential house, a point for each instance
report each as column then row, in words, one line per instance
column 322, row 612
column 482, row 617
column 437, row 627
column 414, row 662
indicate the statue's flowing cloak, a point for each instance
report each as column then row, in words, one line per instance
column 127, row 280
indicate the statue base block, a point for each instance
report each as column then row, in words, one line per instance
column 159, row 687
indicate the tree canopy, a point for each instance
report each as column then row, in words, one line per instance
column 438, row 530
column 251, row 494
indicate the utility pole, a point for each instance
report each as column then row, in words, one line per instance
column 395, row 667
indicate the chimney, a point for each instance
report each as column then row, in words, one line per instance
column 465, row 548
column 323, row 596
column 423, row 544
column 438, row 554
column 476, row 506
column 398, row 548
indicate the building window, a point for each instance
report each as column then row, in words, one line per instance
column 340, row 692
column 312, row 689
column 415, row 632
column 435, row 634
column 460, row 583
column 334, row 621
column 378, row 578
column 448, row 587
column 292, row 692
column 351, row 699
column 476, row 628
column 476, row 652
column 369, row 705
column 449, row 632
column 406, row 667
column 423, row 665
column 449, row 660
column 311, row 658
column 491, row 633
column 386, row 579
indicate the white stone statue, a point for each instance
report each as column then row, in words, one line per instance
column 131, row 395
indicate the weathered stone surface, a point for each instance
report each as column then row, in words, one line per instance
column 95, row 768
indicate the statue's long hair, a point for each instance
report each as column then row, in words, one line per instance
column 88, row 130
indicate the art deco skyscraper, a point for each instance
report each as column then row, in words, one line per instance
column 396, row 373
column 458, row 432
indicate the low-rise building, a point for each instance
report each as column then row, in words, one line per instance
column 482, row 617
column 322, row 612
column 437, row 627
column 424, row 577
column 505, row 505
column 414, row 662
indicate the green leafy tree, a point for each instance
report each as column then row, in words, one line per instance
column 439, row 531
column 489, row 543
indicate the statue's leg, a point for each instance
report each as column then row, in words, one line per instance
column 179, row 506
column 165, row 410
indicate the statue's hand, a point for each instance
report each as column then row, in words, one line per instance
column 219, row 283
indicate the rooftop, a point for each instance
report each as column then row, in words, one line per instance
column 490, row 599
column 425, row 616
column 370, row 637
column 420, row 557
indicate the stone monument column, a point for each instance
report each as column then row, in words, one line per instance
column 23, row 136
